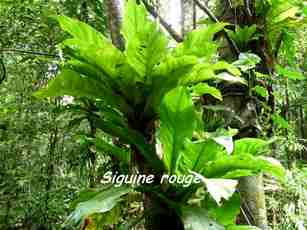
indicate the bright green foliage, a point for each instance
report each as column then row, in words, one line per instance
column 229, row 166
column 247, row 61
column 101, row 202
column 146, row 45
column 203, row 88
column 261, row 91
column 290, row 73
column 281, row 17
column 209, row 159
column 227, row 213
column 194, row 156
column 253, row 146
column 82, row 31
column 280, row 121
column 119, row 77
column 73, row 84
column 243, row 35
column 146, row 82
column 199, row 42
column 177, row 123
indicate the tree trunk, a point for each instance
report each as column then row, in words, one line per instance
column 158, row 213
column 253, row 200
column 251, row 188
column 114, row 16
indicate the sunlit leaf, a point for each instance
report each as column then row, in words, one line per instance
column 260, row 90
column 178, row 121
column 103, row 202
column 145, row 43
column 247, row 61
column 203, row 88
column 290, row 73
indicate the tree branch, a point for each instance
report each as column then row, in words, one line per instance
column 167, row 26
column 28, row 52
column 206, row 10
column 232, row 44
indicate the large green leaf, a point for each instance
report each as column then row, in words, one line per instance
column 203, row 88
column 90, row 46
column 69, row 82
column 212, row 71
column 243, row 35
column 200, row 42
column 81, row 31
column 101, row 202
column 178, row 121
column 167, row 76
column 195, row 218
column 253, row 146
column 223, row 167
column 247, row 61
column 227, row 213
column 104, row 57
column 196, row 154
column 145, row 43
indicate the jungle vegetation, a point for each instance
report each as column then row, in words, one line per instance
column 214, row 90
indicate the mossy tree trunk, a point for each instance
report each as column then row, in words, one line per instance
column 243, row 13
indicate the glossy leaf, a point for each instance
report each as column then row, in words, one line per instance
column 261, row 91
column 81, row 31
column 196, row 154
column 227, row 213
column 247, row 61
column 145, row 43
column 178, row 121
column 203, row 88
column 253, row 146
column 103, row 202
column 69, row 82
column 225, row 165
column 200, row 42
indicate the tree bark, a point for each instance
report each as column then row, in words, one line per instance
column 251, row 188
column 253, row 200
column 114, row 16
